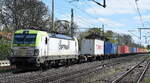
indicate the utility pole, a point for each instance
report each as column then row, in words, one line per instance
column 140, row 36
column 130, row 31
column 145, row 39
column 140, row 29
column 118, row 39
column 52, row 16
column 72, row 22
column 103, row 30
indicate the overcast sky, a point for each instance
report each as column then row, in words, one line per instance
column 119, row 15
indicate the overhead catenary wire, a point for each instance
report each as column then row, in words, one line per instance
column 100, row 15
column 83, row 21
column 84, row 12
column 81, row 10
column 138, row 10
column 91, row 16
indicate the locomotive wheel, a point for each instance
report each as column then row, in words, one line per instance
column 46, row 65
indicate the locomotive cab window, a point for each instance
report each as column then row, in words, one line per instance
column 24, row 38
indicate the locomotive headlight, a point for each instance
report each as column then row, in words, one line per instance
column 36, row 52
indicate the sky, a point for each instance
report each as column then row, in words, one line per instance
column 119, row 16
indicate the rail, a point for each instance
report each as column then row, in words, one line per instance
column 143, row 73
column 117, row 80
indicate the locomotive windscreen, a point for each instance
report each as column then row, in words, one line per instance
column 24, row 38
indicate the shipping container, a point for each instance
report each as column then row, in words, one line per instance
column 92, row 47
column 145, row 50
column 132, row 50
column 148, row 50
column 110, row 48
column 139, row 50
column 142, row 50
column 123, row 49
column 119, row 49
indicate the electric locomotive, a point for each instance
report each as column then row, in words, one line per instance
column 35, row 48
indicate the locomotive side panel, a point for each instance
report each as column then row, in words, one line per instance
column 58, row 46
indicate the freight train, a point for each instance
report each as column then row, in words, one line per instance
column 39, row 49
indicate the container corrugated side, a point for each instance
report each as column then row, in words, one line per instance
column 132, row 50
column 119, row 49
column 92, row 47
column 87, row 46
column 99, row 47
column 110, row 48
column 123, row 49
column 115, row 49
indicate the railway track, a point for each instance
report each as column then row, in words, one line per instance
column 50, row 74
column 135, row 74
column 6, row 71
column 72, row 77
column 63, row 77
column 57, row 76
column 67, row 75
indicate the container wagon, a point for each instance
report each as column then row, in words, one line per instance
column 92, row 48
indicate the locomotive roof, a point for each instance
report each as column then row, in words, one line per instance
column 61, row 36
column 31, row 31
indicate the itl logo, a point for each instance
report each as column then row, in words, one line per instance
column 98, row 46
column 63, row 46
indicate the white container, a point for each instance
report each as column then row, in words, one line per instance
column 92, row 47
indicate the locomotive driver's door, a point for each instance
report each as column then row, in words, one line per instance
column 46, row 46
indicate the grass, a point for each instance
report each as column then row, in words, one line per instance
column 147, row 80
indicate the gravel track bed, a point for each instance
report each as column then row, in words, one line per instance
column 146, row 78
column 134, row 75
column 6, row 71
column 52, row 72
column 65, row 71
column 108, row 74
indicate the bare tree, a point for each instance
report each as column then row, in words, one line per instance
column 18, row 14
column 25, row 13
column 64, row 26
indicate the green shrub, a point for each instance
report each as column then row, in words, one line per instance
column 5, row 49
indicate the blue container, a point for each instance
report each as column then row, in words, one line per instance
column 110, row 48
column 132, row 50
column 115, row 49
